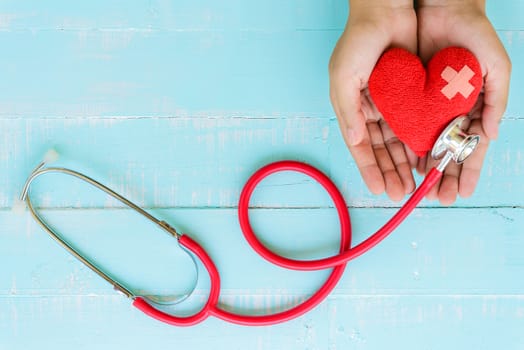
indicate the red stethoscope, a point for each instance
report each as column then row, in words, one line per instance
column 453, row 144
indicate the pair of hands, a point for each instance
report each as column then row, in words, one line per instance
column 384, row 162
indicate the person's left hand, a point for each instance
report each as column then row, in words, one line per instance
column 384, row 162
column 465, row 24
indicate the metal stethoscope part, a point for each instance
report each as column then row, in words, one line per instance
column 118, row 286
column 453, row 144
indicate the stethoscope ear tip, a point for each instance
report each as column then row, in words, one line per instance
column 18, row 207
column 51, row 156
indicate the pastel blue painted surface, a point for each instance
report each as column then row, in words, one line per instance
column 174, row 103
column 204, row 162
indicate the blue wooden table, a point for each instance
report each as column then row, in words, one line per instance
column 174, row 103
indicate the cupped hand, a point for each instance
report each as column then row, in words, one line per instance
column 384, row 162
column 465, row 24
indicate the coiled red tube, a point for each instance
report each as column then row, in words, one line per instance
column 429, row 181
column 337, row 262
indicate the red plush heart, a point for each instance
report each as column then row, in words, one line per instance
column 418, row 105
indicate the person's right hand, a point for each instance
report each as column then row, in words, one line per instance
column 372, row 27
column 464, row 23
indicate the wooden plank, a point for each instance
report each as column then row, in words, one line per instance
column 373, row 322
column 203, row 15
column 175, row 15
column 441, row 322
column 430, row 254
column 175, row 103
column 136, row 73
column 166, row 73
column 204, row 162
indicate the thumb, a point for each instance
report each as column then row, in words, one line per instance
column 350, row 112
column 495, row 98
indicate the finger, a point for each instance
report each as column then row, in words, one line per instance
column 496, row 89
column 398, row 154
column 476, row 111
column 367, row 165
column 395, row 152
column 348, row 100
column 421, row 165
column 472, row 166
column 495, row 100
column 449, row 184
column 412, row 157
column 394, row 187
column 363, row 155
column 343, row 123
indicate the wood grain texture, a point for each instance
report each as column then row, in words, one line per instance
column 195, row 73
column 340, row 323
column 174, row 103
column 429, row 254
column 456, row 281
column 204, row 162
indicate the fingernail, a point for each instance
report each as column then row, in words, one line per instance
column 351, row 136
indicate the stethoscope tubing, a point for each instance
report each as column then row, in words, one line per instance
column 320, row 264
column 337, row 262
column 454, row 141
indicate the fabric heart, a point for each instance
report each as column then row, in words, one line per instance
column 417, row 103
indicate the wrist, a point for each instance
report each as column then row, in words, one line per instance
column 381, row 3
column 380, row 11
column 454, row 5
column 376, row 8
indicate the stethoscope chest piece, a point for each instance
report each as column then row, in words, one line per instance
column 455, row 142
